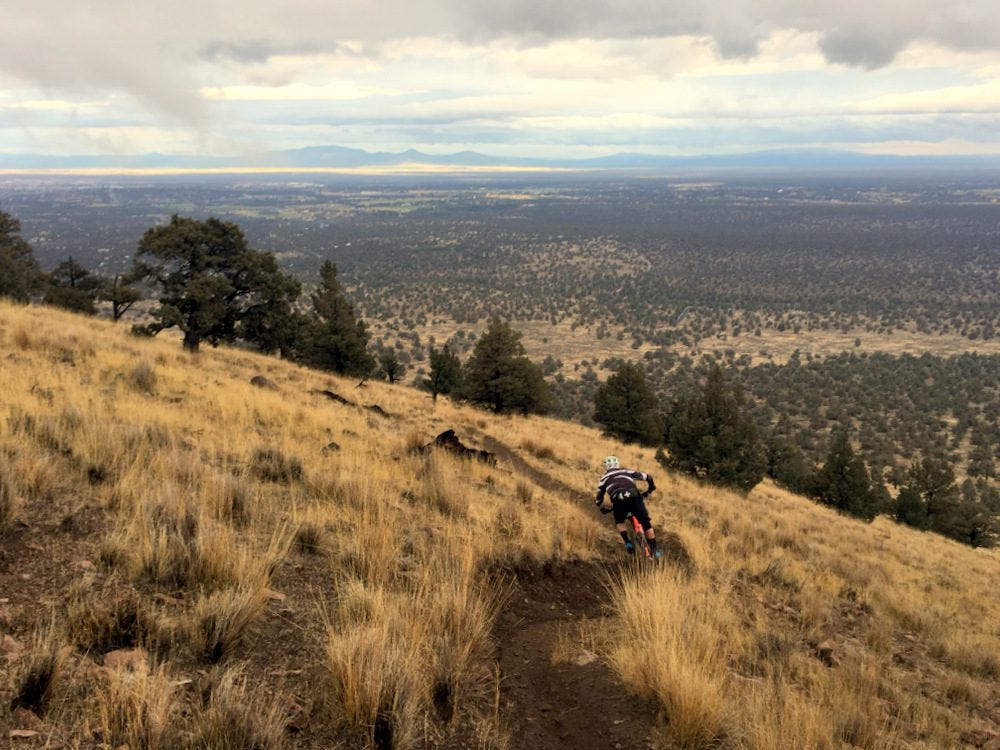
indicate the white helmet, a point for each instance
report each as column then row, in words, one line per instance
column 611, row 462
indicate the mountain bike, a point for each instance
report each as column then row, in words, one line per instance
column 636, row 535
column 637, row 538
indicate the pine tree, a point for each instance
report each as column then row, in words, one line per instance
column 336, row 340
column 500, row 377
column 710, row 436
column 627, row 408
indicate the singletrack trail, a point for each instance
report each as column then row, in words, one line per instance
column 576, row 701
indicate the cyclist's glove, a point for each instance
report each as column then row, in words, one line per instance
column 605, row 509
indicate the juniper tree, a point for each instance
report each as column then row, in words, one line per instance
column 627, row 408
column 121, row 294
column 20, row 275
column 73, row 287
column 709, row 435
column 445, row 373
column 844, row 482
column 499, row 376
column 390, row 366
column 210, row 282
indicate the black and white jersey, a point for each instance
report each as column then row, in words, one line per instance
column 618, row 481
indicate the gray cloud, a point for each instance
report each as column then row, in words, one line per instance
column 158, row 52
column 860, row 48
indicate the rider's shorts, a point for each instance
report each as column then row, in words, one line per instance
column 630, row 502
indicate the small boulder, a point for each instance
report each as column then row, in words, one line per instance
column 261, row 382
column 449, row 441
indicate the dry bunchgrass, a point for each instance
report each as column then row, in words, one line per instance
column 8, row 499
column 206, row 481
column 136, row 707
column 219, row 622
column 237, row 716
column 99, row 622
column 36, row 673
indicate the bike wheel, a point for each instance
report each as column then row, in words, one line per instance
column 639, row 541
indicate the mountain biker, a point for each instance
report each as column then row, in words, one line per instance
column 619, row 484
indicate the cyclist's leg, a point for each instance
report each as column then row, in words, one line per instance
column 619, row 510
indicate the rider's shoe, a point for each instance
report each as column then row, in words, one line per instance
column 630, row 548
column 658, row 554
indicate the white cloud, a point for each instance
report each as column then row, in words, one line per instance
column 333, row 91
column 201, row 75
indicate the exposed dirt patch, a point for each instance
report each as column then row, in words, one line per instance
column 578, row 703
column 540, row 478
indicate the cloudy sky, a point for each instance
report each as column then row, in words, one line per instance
column 514, row 77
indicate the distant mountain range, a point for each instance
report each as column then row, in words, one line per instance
column 338, row 157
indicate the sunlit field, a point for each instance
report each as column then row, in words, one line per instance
column 192, row 560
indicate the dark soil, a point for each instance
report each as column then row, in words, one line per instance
column 575, row 704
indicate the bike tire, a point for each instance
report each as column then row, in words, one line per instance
column 639, row 542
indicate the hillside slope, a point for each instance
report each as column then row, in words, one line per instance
column 191, row 560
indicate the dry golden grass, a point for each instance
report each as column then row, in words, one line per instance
column 792, row 627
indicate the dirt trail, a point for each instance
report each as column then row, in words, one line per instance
column 577, row 702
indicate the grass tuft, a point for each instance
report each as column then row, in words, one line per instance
column 271, row 465
column 237, row 717
column 8, row 500
column 40, row 669
column 221, row 621
column 143, row 378
column 136, row 708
